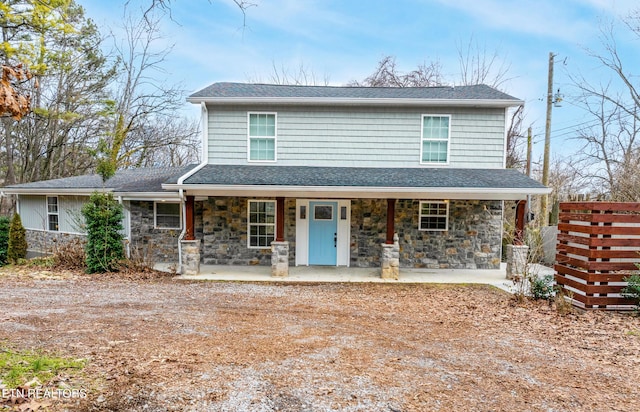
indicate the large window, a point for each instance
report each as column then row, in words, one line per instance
column 435, row 139
column 167, row 215
column 434, row 215
column 52, row 213
column 262, row 137
column 262, row 223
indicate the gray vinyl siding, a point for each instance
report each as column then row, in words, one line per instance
column 33, row 212
column 365, row 137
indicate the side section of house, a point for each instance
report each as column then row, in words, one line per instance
column 152, row 218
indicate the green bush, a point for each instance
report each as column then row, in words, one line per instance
column 4, row 239
column 541, row 287
column 632, row 291
column 104, row 249
column 17, row 244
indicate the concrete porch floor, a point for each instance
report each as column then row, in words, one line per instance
column 298, row 274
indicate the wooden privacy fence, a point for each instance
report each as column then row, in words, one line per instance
column 598, row 246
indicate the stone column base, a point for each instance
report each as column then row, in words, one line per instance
column 190, row 257
column 279, row 259
column 517, row 261
column 391, row 260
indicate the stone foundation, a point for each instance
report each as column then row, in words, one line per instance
column 41, row 242
column 516, row 261
column 280, row 259
column 190, row 257
column 391, row 260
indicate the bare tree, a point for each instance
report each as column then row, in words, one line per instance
column 387, row 74
column 479, row 66
column 610, row 148
column 142, row 105
column 299, row 76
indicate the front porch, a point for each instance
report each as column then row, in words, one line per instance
column 297, row 274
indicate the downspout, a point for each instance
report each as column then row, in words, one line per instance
column 204, row 118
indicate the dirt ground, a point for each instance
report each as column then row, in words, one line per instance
column 159, row 344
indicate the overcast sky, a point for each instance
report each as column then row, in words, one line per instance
column 343, row 40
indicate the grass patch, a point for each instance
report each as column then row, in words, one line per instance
column 20, row 367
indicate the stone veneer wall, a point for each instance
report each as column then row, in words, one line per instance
column 44, row 242
column 221, row 223
column 473, row 240
column 163, row 243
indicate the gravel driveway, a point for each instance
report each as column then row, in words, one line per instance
column 166, row 345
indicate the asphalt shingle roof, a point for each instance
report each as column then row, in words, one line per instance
column 148, row 179
column 363, row 177
column 247, row 90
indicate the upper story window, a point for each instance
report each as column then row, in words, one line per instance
column 435, row 139
column 52, row 213
column 434, row 216
column 262, row 137
column 167, row 215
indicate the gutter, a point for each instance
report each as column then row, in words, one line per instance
column 205, row 154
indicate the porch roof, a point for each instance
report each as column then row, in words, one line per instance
column 359, row 182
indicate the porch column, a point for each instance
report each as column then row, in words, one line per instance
column 280, row 219
column 518, row 252
column 390, row 258
column 189, row 219
column 391, row 214
column 279, row 247
column 520, row 221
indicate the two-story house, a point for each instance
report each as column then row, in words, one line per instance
column 347, row 176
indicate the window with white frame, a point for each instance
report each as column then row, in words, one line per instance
column 261, row 223
column 262, row 137
column 53, row 216
column 167, row 215
column 434, row 215
column 435, row 139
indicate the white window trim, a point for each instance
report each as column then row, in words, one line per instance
column 275, row 222
column 57, row 213
column 422, row 139
column 155, row 216
column 420, row 215
column 275, row 138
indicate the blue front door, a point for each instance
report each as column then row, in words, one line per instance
column 323, row 233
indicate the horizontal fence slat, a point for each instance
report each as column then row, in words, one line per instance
column 600, row 206
column 599, row 253
column 598, row 218
column 602, row 300
column 599, row 230
column 598, row 242
column 586, row 288
column 596, row 266
column 590, row 276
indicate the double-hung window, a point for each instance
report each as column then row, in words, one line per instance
column 53, row 215
column 434, row 216
column 167, row 215
column 262, row 137
column 435, row 139
column 262, row 223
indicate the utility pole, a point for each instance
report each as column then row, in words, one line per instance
column 544, row 200
column 529, row 148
